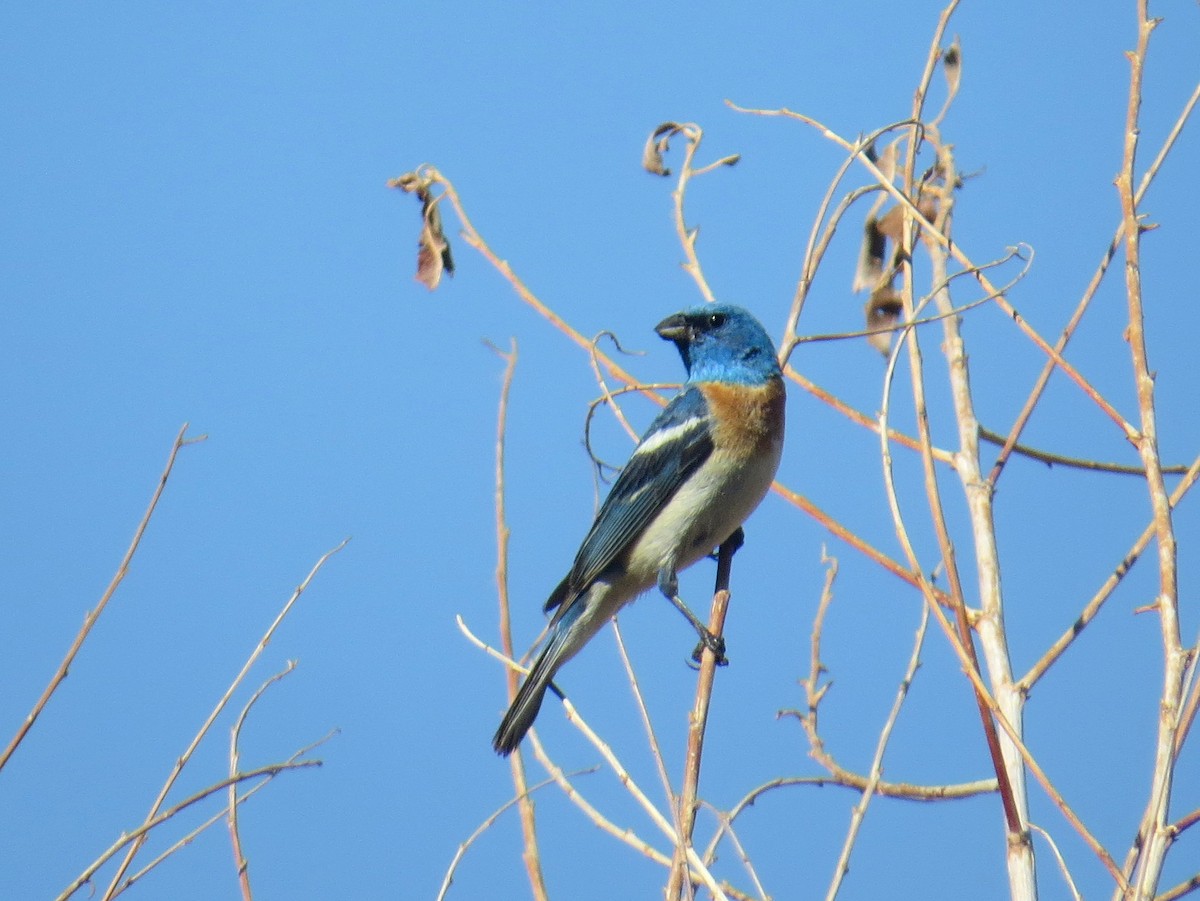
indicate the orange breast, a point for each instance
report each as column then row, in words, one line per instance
column 746, row 418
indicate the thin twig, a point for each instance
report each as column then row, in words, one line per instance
column 472, row 236
column 235, row 734
column 1187, row 713
column 943, row 314
column 530, row 853
column 687, row 237
column 483, row 827
column 651, row 737
column 726, row 828
column 1064, row 641
column 862, row 419
column 182, row 760
column 860, row 809
column 814, row 252
column 624, row 835
column 1184, row 888
column 698, row 723
column 1074, row 462
column 190, row 837
column 1060, row 345
column 139, row 834
column 929, row 229
column 809, row 720
column 608, row 395
column 573, row 716
column 699, row 869
column 1062, row 864
column 90, row 620
column 693, row 135
column 852, row 538
column 609, row 399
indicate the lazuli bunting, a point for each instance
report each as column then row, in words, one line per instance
column 701, row 468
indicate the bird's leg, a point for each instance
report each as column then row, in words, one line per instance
column 668, row 584
column 734, row 541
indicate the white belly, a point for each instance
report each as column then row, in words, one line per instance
column 705, row 511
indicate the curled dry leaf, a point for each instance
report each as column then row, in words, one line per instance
column 870, row 258
column 656, row 146
column 891, row 223
column 883, row 311
column 889, row 159
column 952, row 65
column 433, row 250
column 874, row 266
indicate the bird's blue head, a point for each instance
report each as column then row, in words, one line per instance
column 721, row 343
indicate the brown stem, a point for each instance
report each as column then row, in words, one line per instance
column 698, row 723
column 530, row 854
column 1154, row 834
column 90, row 620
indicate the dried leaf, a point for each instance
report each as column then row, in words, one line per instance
column 928, row 205
column 883, row 311
column 887, row 162
column 433, row 250
column 952, row 65
column 870, row 258
column 656, row 146
column 408, row 182
column 433, row 253
column 891, row 223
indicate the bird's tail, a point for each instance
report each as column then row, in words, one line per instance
column 525, row 706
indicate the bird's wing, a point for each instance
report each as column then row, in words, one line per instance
column 676, row 444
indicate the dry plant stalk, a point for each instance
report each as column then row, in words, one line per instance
column 688, row 801
column 235, row 735
column 154, row 816
column 131, row 841
column 139, row 834
column 90, row 620
column 524, row 801
column 1143, row 865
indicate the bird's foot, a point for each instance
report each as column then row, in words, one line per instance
column 710, row 642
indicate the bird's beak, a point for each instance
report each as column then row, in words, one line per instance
column 674, row 328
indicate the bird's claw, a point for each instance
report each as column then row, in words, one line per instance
column 711, row 642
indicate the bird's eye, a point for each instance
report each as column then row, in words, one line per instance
column 716, row 320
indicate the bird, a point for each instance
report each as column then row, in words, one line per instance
column 698, row 472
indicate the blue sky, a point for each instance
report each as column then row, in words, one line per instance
column 195, row 228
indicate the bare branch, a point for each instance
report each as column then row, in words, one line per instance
column 531, row 854
column 235, row 734
column 685, row 814
column 928, row 228
column 1062, row 864
column 483, row 827
column 139, row 834
column 1149, row 851
column 182, row 761
column 860, row 809
column 1093, row 606
column 1043, row 379
column 90, row 620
